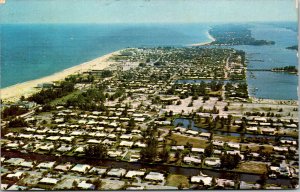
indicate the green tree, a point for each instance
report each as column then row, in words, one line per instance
column 148, row 154
column 208, row 151
column 98, row 151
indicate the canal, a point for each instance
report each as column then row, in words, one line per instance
column 186, row 122
column 187, row 171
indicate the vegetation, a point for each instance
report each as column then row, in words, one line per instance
column 230, row 161
column 289, row 69
column 235, row 35
column 47, row 95
column 98, row 151
column 294, row 47
column 18, row 122
column 148, row 154
column 13, row 111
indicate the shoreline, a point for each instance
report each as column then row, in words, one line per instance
column 204, row 43
column 27, row 88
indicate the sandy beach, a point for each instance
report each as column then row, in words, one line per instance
column 205, row 43
column 14, row 92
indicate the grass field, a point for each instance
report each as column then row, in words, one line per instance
column 176, row 180
column 252, row 167
column 183, row 140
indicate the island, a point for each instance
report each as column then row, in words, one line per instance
column 235, row 35
column 294, row 47
column 288, row 69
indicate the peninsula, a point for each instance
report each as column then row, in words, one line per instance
column 235, row 35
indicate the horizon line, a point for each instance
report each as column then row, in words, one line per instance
column 131, row 23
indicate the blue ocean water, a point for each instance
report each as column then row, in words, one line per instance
column 31, row 51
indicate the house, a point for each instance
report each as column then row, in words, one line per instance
column 180, row 129
column 65, row 138
column 280, row 149
column 108, row 142
column 244, row 185
column 132, row 174
column 260, row 119
column 86, row 186
column 212, row 162
column 137, row 188
column 268, row 130
column 98, row 171
column 111, row 136
column 45, row 85
column 15, row 161
column 126, row 136
column 63, row 167
column 114, row 153
column 16, row 188
column 163, row 122
column 64, row 148
column 36, row 189
column 59, row 120
column 79, row 149
column 218, row 143
column 46, row 165
column 288, row 142
column 224, row 183
column 140, row 119
column 39, row 137
column 28, row 164
column 77, row 133
column 134, row 157
column 155, row 176
column 126, row 144
column 204, row 179
column 217, row 152
column 198, row 150
column 191, row 160
column 12, row 145
column 179, row 147
column 206, row 135
column 47, row 147
column 3, row 186
column 82, row 168
column 233, row 145
column 251, row 129
column 48, row 181
column 53, row 138
column 16, row 175
column 191, row 132
column 139, row 144
column 94, row 141
column 117, row 172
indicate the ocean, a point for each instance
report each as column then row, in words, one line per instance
column 31, row 51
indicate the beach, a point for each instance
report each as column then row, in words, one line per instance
column 14, row 92
column 205, row 43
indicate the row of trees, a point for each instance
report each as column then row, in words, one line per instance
column 18, row 122
column 12, row 111
column 47, row 95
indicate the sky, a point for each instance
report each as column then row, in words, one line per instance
column 146, row 11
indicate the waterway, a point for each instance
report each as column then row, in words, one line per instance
column 187, row 171
column 189, row 123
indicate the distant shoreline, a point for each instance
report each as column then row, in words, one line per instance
column 204, row 43
column 27, row 88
